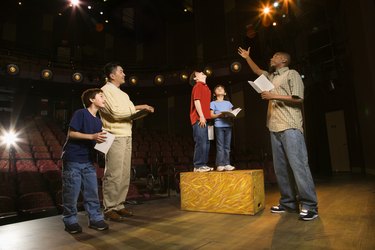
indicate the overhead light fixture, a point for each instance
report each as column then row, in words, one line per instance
column 235, row 67
column 77, row 77
column 46, row 74
column 184, row 76
column 208, row 71
column 159, row 80
column 133, row 80
column 74, row 2
column 13, row 69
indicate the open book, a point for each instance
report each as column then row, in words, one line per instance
column 231, row 113
column 139, row 114
column 261, row 84
column 104, row 146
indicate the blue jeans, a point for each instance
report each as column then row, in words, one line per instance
column 223, row 141
column 80, row 177
column 202, row 145
column 292, row 170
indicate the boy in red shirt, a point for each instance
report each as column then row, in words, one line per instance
column 199, row 114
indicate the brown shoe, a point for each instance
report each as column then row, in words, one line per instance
column 124, row 212
column 113, row 216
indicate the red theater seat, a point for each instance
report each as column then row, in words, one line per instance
column 37, row 202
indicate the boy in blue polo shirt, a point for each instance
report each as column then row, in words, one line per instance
column 79, row 174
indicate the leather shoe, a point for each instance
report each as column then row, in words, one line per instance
column 124, row 212
column 113, row 216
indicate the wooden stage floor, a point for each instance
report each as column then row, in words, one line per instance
column 347, row 221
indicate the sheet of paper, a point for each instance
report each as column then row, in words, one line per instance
column 210, row 132
column 261, row 84
column 139, row 114
column 104, row 146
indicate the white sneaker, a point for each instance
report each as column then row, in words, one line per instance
column 203, row 169
column 220, row 168
column 229, row 168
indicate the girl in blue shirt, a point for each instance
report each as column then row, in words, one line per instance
column 223, row 128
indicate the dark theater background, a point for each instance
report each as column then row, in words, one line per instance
column 51, row 51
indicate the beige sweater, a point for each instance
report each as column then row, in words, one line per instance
column 118, row 109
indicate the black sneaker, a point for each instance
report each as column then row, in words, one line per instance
column 278, row 209
column 307, row 215
column 74, row 228
column 98, row 225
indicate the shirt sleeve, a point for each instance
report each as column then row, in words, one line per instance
column 115, row 110
column 296, row 84
column 212, row 106
column 229, row 105
column 76, row 122
column 197, row 92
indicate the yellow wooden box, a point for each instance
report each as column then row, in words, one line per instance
column 233, row 192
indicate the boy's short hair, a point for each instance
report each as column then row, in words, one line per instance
column 191, row 78
column 89, row 94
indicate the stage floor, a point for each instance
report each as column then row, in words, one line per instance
column 346, row 209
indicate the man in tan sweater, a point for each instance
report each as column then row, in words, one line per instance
column 116, row 120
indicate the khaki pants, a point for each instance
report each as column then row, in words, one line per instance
column 117, row 173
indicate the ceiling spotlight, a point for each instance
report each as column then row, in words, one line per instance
column 235, row 67
column 266, row 10
column 159, row 79
column 274, row 23
column 184, row 76
column 133, row 80
column 74, row 2
column 101, row 12
column 89, row 7
column 19, row 3
column 77, row 77
column 106, row 21
column 276, row 4
column 46, row 74
column 208, row 71
column 13, row 69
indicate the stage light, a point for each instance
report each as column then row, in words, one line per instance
column 266, row 10
column 276, row 4
column 106, row 21
column 9, row 138
column 133, row 80
column 77, row 77
column 235, row 67
column 74, row 2
column 208, row 71
column 60, row 14
column 184, row 76
column 101, row 12
column 159, row 80
column 89, row 7
column 13, row 69
column 46, row 74
column 20, row 3
column 274, row 23
column 185, row 10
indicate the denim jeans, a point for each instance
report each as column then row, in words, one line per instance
column 80, row 177
column 223, row 142
column 292, row 170
column 202, row 145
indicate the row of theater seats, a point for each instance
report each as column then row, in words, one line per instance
column 31, row 173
